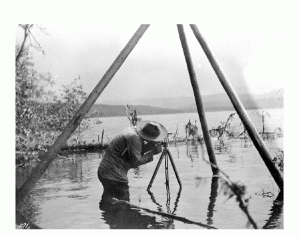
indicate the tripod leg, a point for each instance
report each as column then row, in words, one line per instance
column 167, row 172
column 174, row 168
column 167, row 184
column 156, row 169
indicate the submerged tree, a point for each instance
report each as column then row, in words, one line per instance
column 132, row 116
column 223, row 128
column 191, row 130
column 263, row 114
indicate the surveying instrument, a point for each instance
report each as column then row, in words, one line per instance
column 166, row 155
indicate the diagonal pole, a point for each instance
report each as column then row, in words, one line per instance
column 198, row 100
column 255, row 137
column 75, row 121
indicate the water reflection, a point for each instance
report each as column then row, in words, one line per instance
column 212, row 199
column 160, row 207
column 275, row 213
column 120, row 215
column 192, row 150
column 63, row 178
column 169, row 222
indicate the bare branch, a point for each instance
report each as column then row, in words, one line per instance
column 26, row 33
column 42, row 29
column 39, row 48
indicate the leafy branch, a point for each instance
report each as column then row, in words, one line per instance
column 41, row 114
column 278, row 159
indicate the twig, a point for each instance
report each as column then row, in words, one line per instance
column 42, row 29
column 39, row 48
column 64, row 157
column 34, row 156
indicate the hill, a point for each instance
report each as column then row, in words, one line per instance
column 221, row 102
column 216, row 102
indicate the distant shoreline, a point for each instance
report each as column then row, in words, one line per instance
column 181, row 111
column 211, row 103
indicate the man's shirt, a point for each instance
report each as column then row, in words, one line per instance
column 124, row 152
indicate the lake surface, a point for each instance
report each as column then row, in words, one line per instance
column 68, row 193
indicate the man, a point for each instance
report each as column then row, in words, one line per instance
column 133, row 147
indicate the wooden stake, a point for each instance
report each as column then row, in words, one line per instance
column 102, row 137
column 198, row 100
column 84, row 109
column 254, row 135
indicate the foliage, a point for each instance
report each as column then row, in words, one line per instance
column 132, row 116
column 244, row 133
column 278, row 159
column 31, row 92
column 224, row 128
column 191, row 130
column 40, row 114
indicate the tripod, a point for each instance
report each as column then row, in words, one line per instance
column 167, row 156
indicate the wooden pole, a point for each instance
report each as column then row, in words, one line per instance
column 198, row 100
column 254, row 135
column 102, row 137
column 75, row 121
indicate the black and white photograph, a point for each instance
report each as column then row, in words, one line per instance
column 151, row 124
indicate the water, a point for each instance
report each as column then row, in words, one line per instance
column 112, row 125
column 68, row 193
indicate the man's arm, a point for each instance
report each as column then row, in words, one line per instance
column 135, row 147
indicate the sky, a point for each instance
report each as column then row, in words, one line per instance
column 248, row 41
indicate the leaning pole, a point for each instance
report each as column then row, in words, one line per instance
column 198, row 100
column 75, row 121
column 254, row 135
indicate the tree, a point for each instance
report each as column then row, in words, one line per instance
column 30, row 87
column 41, row 114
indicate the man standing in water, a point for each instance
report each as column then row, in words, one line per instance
column 133, row 147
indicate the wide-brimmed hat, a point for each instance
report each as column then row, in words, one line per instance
column 151, row 130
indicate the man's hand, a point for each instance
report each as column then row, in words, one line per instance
column 153, row 147
column 157, row 149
